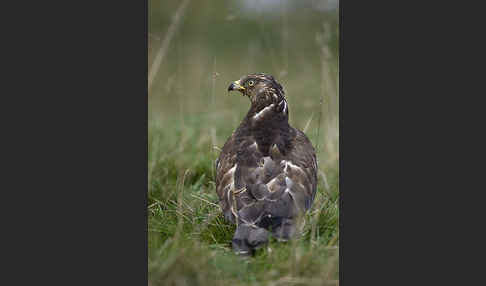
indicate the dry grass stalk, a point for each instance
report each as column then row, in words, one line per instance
column 308, row 122
column 180, row 217
column 165, row 44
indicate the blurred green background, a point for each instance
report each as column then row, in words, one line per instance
column 191, row 115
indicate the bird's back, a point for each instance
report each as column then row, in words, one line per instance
column 267, row 184
column 267, row 170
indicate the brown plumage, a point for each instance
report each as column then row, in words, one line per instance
column 267, row 170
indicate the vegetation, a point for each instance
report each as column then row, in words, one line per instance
column 191, row 116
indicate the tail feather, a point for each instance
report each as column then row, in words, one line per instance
column 248, row 238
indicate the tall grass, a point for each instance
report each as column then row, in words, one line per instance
column 191, row 116
column 189, row 239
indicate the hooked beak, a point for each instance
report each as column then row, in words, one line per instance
column 236, row 86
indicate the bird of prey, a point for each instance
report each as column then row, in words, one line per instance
column 266, row 173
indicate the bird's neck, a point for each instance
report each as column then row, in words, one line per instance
column 266, row 125
column 267, row 116
column 276, row 111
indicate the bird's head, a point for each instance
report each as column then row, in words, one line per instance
column 263, row 91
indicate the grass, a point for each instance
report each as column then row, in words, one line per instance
column 191, row 116
column 189, row 241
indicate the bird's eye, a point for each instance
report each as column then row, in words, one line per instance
column 250, row 83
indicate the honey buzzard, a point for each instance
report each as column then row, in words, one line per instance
column 266, row 173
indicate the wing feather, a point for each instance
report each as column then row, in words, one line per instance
column 266, row 183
